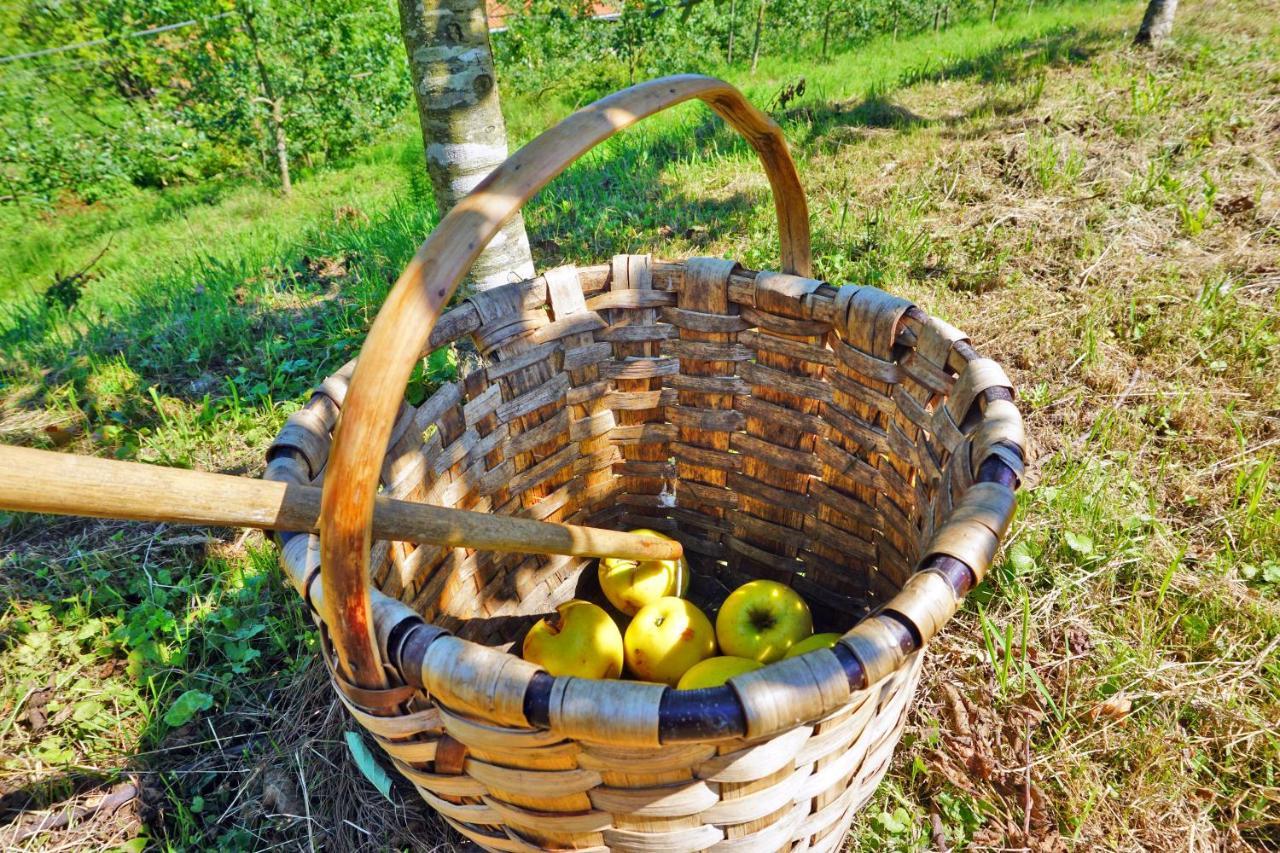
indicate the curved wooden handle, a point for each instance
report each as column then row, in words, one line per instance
column 411, row 310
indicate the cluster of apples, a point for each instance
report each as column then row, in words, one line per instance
column 668, row 639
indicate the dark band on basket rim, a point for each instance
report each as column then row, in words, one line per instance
column 713, row 712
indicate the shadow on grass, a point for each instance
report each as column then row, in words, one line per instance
column 262, row 324
column 1016, row 60
column 1020, row 62
column 252, row 327
column 245, row 328
column 265, row 765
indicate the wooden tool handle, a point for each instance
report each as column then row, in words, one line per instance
column 411, row 310
column 61, row 483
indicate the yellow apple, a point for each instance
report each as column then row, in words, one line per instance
column 817, row 641
column 631, row 584
column 580, row 639
column 761, row 620
column 713, row 672
column 666, row 638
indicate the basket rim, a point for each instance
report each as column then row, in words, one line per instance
column 424, row 656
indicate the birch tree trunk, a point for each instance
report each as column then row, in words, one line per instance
column 1157, row 23
column 463, row 132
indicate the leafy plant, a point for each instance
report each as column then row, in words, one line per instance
column 1054, row 163
column 186, row 706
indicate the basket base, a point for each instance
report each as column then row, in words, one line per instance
column 526, row 790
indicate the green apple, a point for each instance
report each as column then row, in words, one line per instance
column 666, row 638
column 713, row 672
column 631, row 584
column 580, row 639
column 761, row 620
column 817, row 641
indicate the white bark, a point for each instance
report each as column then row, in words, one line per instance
column 463, row 134
column 1157, row 23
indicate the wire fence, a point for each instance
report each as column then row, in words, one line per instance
column 150, row 31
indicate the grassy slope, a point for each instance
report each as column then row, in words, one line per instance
column 1102, row 221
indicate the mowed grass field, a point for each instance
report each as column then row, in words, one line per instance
column 1103, row 221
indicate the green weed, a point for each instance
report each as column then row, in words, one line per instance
column 1054, row 164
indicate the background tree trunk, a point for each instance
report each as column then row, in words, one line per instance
column 755, row 47
column 463, row 132
column 826, row 31
column 270, row 98
column 733, row 25
column 282, row 145
column 1157, row 23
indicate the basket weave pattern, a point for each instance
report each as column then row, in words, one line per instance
column 777, row 426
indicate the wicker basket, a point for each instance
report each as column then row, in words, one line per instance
column 832, row 438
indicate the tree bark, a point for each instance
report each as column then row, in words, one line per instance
column 631, row 57
column 755, row 47
column 277, row 108
column 463, row 132
column 826, row 31
column 733, row 25
column 282, row 145
column 1157, row 23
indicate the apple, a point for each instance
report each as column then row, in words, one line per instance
column 817, row 641
column 666, row 638
column 761, row 620
column 631, row 584
column 580, row 639
column 713, row 672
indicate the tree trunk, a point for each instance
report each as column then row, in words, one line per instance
column 755, row 46
column 277, row 108
column 826, row 32
column 1157, row 23
column 733, row 26
column 631, row 58
column 282, row 146
column 994, row 5
column 463, row 132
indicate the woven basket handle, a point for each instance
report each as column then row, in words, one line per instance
column 404, row 324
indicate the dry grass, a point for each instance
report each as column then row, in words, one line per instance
column 1105, row 222
column 1109, row 229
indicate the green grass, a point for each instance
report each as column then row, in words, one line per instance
column 1102, row 221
